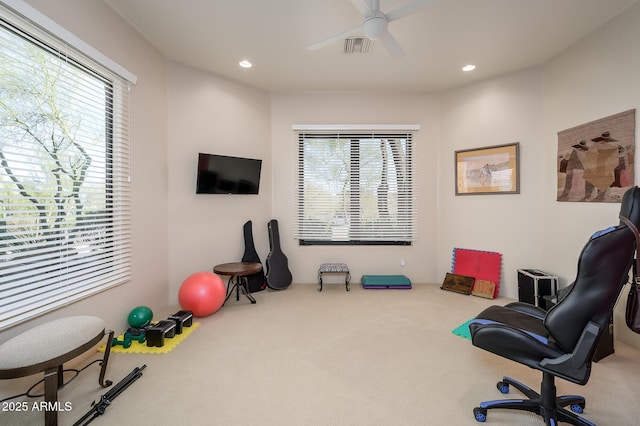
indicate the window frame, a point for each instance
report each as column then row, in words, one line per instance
column 97, row 249
column 356, row 138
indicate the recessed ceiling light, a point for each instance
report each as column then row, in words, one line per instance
column 245, row 64
column 468, row 68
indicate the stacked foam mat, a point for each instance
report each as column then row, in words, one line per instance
column 479, row 264
column 385, row 282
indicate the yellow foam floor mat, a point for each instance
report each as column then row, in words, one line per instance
column 142, row 348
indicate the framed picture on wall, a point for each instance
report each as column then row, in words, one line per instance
column 488, row 170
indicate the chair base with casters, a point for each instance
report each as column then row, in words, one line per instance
column 517, row 331
column 562, row 342
column 547, row 404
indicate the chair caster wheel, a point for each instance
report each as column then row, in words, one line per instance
column 480, row 414
column 503, row 387
column 577, row 408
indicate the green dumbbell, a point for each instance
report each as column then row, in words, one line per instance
column 131, row 336
column 126, row 343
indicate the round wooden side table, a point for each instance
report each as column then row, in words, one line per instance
column 238, row 272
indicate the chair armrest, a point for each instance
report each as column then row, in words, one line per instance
column 575, row 365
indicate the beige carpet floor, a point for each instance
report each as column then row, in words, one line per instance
column 303, row 357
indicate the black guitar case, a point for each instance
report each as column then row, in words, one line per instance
column 278, row 274
column 255, row 282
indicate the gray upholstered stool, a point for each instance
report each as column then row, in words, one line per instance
column 46, row 347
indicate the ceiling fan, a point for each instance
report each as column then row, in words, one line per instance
column 375, row 24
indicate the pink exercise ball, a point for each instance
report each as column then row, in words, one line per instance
column 202, row 293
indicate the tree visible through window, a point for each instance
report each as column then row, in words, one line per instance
column 62, row 192
column 355, row 189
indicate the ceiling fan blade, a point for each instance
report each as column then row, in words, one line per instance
column 350, row 33
column 364, row 7
column 392, row 45
column 408, row 9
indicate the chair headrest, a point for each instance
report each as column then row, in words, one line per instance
column 630, row 206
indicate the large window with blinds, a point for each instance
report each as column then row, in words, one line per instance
column 355, row 188
column 64, row 174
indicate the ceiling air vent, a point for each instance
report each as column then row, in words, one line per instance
column 356, row 45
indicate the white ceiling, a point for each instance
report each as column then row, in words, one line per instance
column 499, row 36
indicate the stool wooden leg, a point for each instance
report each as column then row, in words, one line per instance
column 51, row 377
column 105, row 360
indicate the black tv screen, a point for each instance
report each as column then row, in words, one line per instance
column 220, row 174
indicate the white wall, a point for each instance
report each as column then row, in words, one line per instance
column 99, row 26
column 182, row 111
column 354, row 108
column 213, row 115
column 595, row 78
column 500, row 111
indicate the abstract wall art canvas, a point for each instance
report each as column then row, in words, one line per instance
column 596, row 159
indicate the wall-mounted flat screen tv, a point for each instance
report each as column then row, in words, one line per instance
column 220, row 174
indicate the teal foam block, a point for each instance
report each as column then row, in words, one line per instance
column 385, row 281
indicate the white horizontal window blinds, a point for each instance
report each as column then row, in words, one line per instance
column 356, row 188
column 64, row 174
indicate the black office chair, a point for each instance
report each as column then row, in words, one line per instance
column 561, row 342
